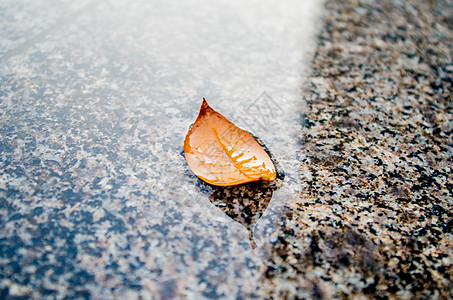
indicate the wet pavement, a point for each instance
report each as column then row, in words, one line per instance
column 97, row 200
column 351, row 99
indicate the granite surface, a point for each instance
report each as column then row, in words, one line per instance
column 22, row 21
column 375, row 218
column 96, row 200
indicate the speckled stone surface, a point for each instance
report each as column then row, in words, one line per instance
column 375, row 217
column 96, row 200
column 23, row 19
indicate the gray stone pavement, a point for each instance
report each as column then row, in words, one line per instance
column 96, row 200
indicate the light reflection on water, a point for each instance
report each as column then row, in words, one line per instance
column 127, row 80
column 248, row 62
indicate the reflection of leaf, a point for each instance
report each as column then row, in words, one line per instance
column 222, row 154
column 244, row 203
column 247, row 202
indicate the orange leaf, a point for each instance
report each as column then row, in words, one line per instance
column 222, row 154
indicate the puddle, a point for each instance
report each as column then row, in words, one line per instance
column 105, row 105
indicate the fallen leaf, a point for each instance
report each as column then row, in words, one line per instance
column 222, row 154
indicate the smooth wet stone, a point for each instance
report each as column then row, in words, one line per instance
column 96, row 199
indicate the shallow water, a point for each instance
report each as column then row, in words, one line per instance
column 94, row 116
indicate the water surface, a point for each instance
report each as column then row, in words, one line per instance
column 96, row 196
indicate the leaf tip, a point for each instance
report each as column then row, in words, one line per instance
column 205, row 104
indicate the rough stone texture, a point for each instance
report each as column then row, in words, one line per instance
column 375, row 218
